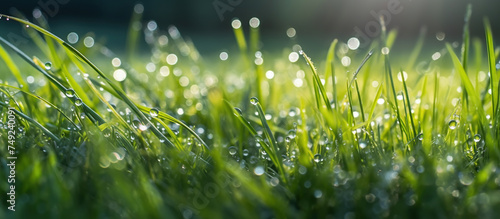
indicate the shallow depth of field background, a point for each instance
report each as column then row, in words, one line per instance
column 317, row 21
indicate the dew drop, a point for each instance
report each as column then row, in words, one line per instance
column 317, row 158
column 153, row 112
column 136, row 123
column 292, row 134
column 362, row 145
column 245, row 152
column 254, row 100
column 477, row 138
column 70, row 93
column 48, row 65
column 420, row 137
column 453, row 124
column 318, row 193
column 232, row 150
column 259, row 170
column 274, row 181
column 239, row 111
column 78, row 102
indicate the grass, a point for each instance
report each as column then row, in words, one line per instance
column 256, row 136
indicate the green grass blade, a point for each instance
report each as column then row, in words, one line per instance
column 91, row 113
column 355, row 75
column 409, row 106
column 490, row 139
column 32, row 121
column 321, row 95
column 491, row 64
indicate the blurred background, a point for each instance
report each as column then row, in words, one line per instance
column 317, row 22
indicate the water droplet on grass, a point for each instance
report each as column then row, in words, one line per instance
column 477, row 138
column 153, row 112
column 317, row 158
column 274, row 181
column 362, row 145
column 453, row 124
column 232, row 150
column 420, row 137
column 254, row 100
column 239, row 111
column 70, row 93
column 245, row 152
column 78, row 102
column 259, row 170
column 254, row 22
column 236, row 24
column 48, row 65
column 318, row 193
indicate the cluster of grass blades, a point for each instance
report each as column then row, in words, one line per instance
column 277, row 139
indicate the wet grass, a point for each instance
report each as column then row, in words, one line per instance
column 251, row 135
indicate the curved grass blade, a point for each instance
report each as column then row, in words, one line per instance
column 270, row 150
column 90, row 113
column 490, row 139
column 78, row 54
column 321, row 93
column 388, row 71
column 32, row 121
column 409, row 107
column 46, row 101
column 491, row 64
column 161, row 115
column 359, row 68
column 330, row 69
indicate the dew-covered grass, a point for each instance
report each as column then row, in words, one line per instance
column 250, row 133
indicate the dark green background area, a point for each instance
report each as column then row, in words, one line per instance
column 317, row 16
column 314, row 20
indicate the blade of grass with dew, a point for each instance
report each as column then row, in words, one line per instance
column 330, row 69
column 269, row 149
column 45, row 101
column 465, row 64
column 55, row 57
column 491, row 64
column 355, row 75
column 161, row 115
column 270, row 137
column 317, row 81
column 490, row 139
column 91, row 113
column 111, row 108
column 362, row 111
column 409, row 107
column 32, row 121
column 388, row 71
